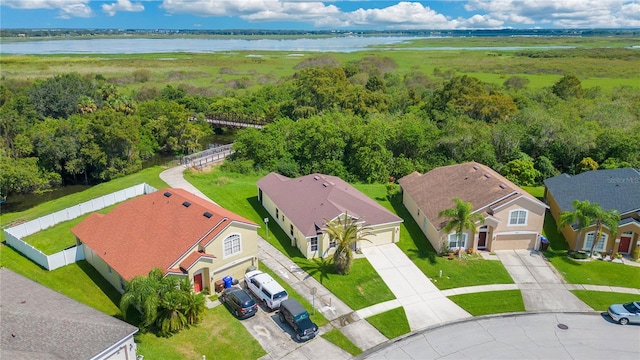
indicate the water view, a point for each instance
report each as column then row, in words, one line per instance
column 170, row 45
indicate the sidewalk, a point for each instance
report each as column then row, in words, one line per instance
column 424, row 304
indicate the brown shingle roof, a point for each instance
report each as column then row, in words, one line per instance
column 472, row 182
column 153, row 230
column 308, row 200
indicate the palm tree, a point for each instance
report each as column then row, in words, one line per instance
column 194, row 304
column 460, row 218
column 585, row 214
column 345, row 230
column 142, row 292
column 170, row 318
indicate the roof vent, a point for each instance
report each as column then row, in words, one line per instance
column 487, row 175
column 332, row 184
column 186, row 204
column 475, row 167
column 167, row 194
column 316, row 177
column 503, row 186
column 325, row 184
column 208, row 215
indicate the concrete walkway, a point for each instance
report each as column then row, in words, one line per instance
column 423, row 303
column 542, row 288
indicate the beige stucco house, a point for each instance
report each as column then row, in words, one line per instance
column 171, row 229
column 513, row 218
column 300, row 207
column 614, row 189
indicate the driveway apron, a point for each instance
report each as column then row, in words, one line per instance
column 423, row 303
column 542, row 289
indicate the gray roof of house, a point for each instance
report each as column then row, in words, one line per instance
column 39, row 323
column 308, row 200
column 614, row 189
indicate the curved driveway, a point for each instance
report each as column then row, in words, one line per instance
column 519, row 336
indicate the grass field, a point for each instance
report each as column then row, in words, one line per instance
column 392, row 323
column 598, row 61
column 600, row 300
column 491, row 302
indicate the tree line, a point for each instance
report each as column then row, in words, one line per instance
column 361, row 120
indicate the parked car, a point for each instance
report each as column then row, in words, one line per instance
column 265, row 288
column 293, row 313
column 625, row 313
column 239, row 302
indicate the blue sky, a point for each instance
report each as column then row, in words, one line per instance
column 319, row 15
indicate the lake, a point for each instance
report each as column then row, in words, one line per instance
column 190, row 45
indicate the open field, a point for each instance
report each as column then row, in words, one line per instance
column 603, row 62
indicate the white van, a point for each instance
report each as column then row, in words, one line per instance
column 265, row 288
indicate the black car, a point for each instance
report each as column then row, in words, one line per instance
column 239, row 302
column 294, row 314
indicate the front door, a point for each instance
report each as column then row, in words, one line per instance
column 482, row 239
column 625, row 241
column 197, row 282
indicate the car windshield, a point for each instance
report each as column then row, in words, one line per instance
column 279, row 295
column 302, row 316
column 631, row 307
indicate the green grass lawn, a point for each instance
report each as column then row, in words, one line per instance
column 149, row 176
column 218, row 336
column 337, row 338
column 595, row 272
column 455, row 273
column 600, row 300
column 392, row 323
column 490, row 302
column 239, row 194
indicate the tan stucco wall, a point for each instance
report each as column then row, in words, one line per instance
column 432, row 234
column 101, row 266
column 518, row 236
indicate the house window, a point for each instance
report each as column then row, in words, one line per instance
column 588, row 241
column 333, row 243
column 232, row 245
column 314, row 244
column 277, row 214
column 518, row 217
column 455, row 243
column 291, row 229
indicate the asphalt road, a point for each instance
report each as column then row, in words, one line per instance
column 519, row 336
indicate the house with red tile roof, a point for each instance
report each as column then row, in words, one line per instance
column 300, row 207
column 171, row 229
column 513, row 217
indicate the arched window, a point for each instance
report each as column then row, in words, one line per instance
column 455, row 242
column 518, row 217
column 232, row 245
column 588, row 241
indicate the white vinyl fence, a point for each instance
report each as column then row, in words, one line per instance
column 14, row 235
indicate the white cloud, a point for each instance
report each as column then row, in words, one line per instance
column 403, row 15
column 122, row 5
column 561, row 13
column 68, row 8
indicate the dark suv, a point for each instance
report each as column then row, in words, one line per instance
column 292, row 313
column 239, row 302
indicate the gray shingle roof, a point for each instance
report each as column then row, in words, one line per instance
column 39, row 323
column 614, row 189
column 308, row 200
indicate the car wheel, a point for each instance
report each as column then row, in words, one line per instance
column 624, row 321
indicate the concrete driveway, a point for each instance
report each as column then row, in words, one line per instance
column 542, row 288
column 423, row 303
column 519, row 336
